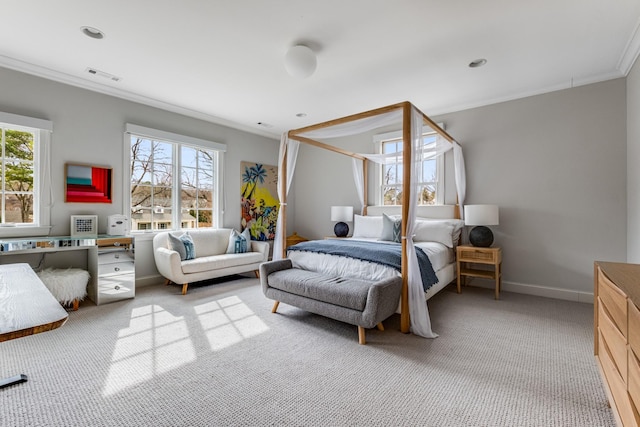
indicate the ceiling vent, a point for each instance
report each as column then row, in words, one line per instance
column 103, row 74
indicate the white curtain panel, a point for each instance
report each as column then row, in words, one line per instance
column 358, row 177
column 418, row 311
column 290, row 148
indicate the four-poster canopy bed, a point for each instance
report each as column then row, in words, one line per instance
column 413, row 308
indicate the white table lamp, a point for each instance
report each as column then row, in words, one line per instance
column 480, row 216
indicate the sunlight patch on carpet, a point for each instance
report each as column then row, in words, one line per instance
column 154, row 343
column 228, row 321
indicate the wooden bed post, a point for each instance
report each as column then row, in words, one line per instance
column 283, row 202
column 365, row 188
column 405, row 319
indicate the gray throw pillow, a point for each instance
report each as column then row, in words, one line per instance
column 175, row 244
column 391, row 229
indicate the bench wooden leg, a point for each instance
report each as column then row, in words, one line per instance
column 257, row 273
column 184, row 288
column 361, row 339
column 76, row 304
column 380, row 327
column 167, row 282
column 275, row 306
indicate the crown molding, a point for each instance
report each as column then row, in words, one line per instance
column 630, row 52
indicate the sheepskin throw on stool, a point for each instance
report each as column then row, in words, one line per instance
column 67, row 285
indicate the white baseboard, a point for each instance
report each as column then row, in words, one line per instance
column 149, row 280
column 537, row 290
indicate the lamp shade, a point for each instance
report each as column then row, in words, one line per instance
column 481, row 215
column 300, row 61
column 342, row 213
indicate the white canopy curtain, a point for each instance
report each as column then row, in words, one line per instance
column 288, row 153
column 412, row 120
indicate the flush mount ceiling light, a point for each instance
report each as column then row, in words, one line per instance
column 301, row 115
column 477, row 63
column 300, row 61
column 94, row 33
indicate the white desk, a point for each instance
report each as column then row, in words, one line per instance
column 63, row 252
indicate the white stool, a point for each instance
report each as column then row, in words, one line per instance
column 68, row 286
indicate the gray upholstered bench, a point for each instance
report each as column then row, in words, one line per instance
column 358, row 302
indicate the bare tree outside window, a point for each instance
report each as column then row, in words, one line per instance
column 153, row 184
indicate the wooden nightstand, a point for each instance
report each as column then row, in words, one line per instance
column 467, row 255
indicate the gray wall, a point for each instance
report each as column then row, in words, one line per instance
column 554, row 163
column 88, row 128
column 633, row 160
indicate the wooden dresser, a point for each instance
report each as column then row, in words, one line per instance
column 617, row 336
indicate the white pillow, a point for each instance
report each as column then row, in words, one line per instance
column 367, row 226
column 445, row 231
column 242, row 239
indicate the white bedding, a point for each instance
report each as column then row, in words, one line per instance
column 441, row 257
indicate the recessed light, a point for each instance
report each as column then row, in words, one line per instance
column 301, row 115
column 477, row 63
column 264, row 125
column 92, row 32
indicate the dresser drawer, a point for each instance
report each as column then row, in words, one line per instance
column 614, row 300
column 125, row 267
column 616, row 384
column 615, row 341
column 634, row 328
column 109, row 257
column 633, row 384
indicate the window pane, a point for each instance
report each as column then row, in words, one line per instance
column 140, row 197
column 162, row 197
column 162, row 175
column 189, row 157
column 205, row 218
column 429, row 170
column 162, row 153
column 19, row 175
column 205, row 199
column 18, row 208
column 19, row 144
column 188, row 178
column 188, row 201
column 140, row 173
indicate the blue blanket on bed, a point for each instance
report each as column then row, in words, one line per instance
column 389, row 254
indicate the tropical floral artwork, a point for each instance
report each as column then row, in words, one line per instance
column 259, row 200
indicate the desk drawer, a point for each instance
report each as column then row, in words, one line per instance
column 114, row 241
column 126, row 267
column 116, row 287
column 614, row 300
column 109, row 257
column 616, row 342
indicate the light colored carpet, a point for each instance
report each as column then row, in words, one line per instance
column 219, row 357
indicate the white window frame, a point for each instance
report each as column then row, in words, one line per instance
column 42, row 200
column 179, row 140
column 378, row 139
